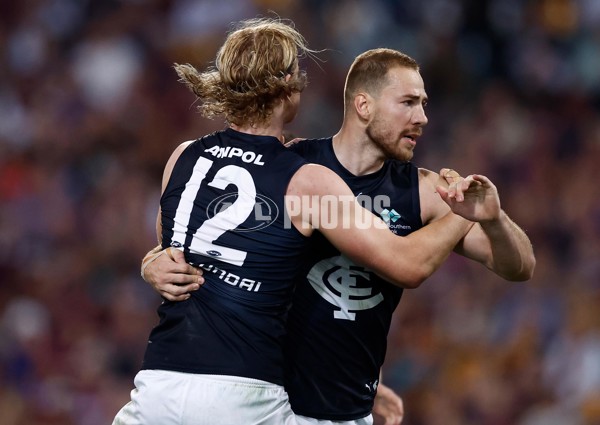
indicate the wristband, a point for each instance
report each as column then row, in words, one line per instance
column 148, row 260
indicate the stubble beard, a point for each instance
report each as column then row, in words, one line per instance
column 384, row 140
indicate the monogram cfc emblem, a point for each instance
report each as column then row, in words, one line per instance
column 345, row 285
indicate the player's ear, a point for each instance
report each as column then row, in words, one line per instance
column 362, row 105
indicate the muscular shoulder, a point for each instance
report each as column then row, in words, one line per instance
column 428, row 177
column 172, row 160
column 428, row 181
column 314, row 179
column 432, row 205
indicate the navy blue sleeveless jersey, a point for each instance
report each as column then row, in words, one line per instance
column 341, row 313
column 224, row 207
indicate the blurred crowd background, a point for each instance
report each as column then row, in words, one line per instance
column 90, row 110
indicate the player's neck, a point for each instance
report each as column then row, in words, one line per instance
column 262, row 130
column 354, row 154
column 274, row 127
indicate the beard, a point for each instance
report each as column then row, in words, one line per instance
column 388, row 142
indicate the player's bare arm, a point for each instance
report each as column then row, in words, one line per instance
column 496, row 241
column 166, row 270
column 388, row 405
column 359, row 233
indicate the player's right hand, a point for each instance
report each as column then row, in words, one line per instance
column 475, row 198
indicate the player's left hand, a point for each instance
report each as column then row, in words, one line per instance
column 388, row 405
column 475, row 198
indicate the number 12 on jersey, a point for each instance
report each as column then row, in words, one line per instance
column 203, row 241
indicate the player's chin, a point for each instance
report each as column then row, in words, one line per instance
column 404, row 154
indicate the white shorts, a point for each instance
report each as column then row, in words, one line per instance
column 174, row 398
column 305, row 420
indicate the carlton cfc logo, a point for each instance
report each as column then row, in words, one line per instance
column 345, row 285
